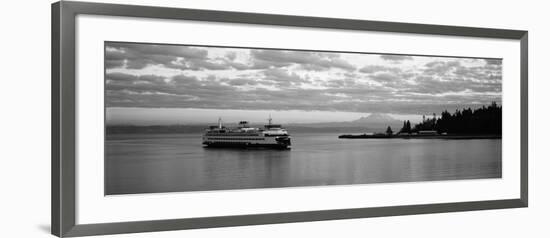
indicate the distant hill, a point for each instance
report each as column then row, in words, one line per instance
column 373, row 123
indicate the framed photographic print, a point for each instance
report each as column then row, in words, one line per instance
column 167, row 119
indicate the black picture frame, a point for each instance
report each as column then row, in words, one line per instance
column 63, row 130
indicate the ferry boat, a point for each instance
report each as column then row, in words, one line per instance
column 271, row 136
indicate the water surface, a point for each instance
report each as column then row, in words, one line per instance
column 146, row 163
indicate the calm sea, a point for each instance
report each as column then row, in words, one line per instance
column 145, row 163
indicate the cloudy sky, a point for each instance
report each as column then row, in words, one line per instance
column 173, row 84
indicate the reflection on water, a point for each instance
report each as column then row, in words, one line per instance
column 178, row 162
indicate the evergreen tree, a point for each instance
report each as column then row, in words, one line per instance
column 406, row 127
column 389, row 131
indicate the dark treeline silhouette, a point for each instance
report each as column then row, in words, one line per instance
column 484, row 120
column 406, row 127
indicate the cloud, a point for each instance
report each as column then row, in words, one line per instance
column 308, row 60
column 230, row 78
column 139, row 56
column 443, row 77
column 440, row 67
column 396, row 59
column 385, row 77
column 114, row 63
column 280, row 75
column 184, row 91
column 369, row 69
column 231, row 55
column 133, row 78
column 242, row 82
column 493, row 61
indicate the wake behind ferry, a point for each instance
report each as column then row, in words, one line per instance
column 271, row 136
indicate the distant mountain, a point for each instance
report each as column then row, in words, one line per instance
column 375, row 122
column 376, row 118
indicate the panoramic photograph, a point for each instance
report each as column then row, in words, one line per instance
column 182, row 118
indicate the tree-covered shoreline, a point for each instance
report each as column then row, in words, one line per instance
column 484, row 120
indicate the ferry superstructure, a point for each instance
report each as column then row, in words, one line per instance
column 271, row 136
